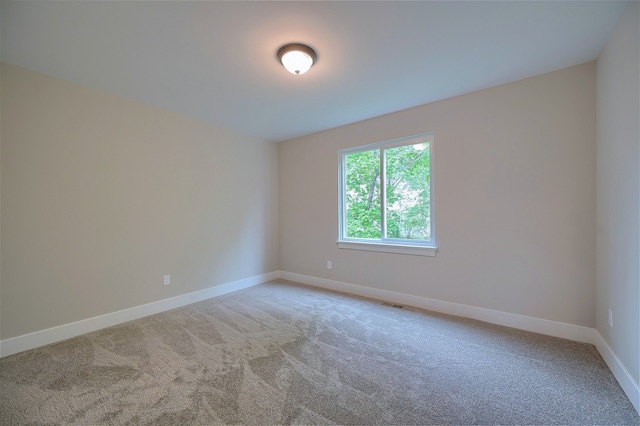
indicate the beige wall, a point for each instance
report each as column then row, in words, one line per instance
column 101, row 196
column 515, row 200
column 0, row 201
column 618, row 188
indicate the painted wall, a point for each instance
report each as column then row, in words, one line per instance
column 102, row 196
column 515, row 200
column 0, row 201
column 618, row 188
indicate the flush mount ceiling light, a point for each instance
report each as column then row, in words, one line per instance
column 297, row 58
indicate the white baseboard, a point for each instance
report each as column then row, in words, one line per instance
column 536, row 325
column 67, row 331
column 619, row 371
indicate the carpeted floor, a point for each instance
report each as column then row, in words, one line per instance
column 282, row 353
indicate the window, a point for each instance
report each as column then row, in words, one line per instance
column 386, row 197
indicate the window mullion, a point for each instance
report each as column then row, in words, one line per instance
column 383, row 194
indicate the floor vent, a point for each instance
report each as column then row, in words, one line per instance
column 397, row 306
column 393, row 305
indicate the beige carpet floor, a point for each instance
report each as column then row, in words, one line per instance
column 282, row 353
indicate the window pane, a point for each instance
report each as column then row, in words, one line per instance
column 408, row 204
column 362, row 198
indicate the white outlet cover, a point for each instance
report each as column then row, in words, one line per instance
column 167, row 279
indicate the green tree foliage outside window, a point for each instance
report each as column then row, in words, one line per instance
column 403, row 174
column 363, row 194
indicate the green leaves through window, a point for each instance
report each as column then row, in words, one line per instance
column 386, row 193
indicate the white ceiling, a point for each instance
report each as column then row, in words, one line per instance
column 215, row 61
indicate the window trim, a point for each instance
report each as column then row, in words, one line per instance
column 387, row 245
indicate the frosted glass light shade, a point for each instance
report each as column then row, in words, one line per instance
column 297, row 62
column 297, row 58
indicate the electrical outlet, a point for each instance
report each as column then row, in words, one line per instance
column 167, row 279
column 328, row 264
column 610, row 318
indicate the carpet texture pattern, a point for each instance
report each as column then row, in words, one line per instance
column 282, row 353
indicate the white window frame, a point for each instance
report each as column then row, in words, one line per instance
column 387, row 245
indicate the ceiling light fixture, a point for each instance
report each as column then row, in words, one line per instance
column 297, row 58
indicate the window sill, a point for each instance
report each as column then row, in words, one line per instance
column 389, row 248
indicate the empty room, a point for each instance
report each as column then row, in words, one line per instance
column 319, row 212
